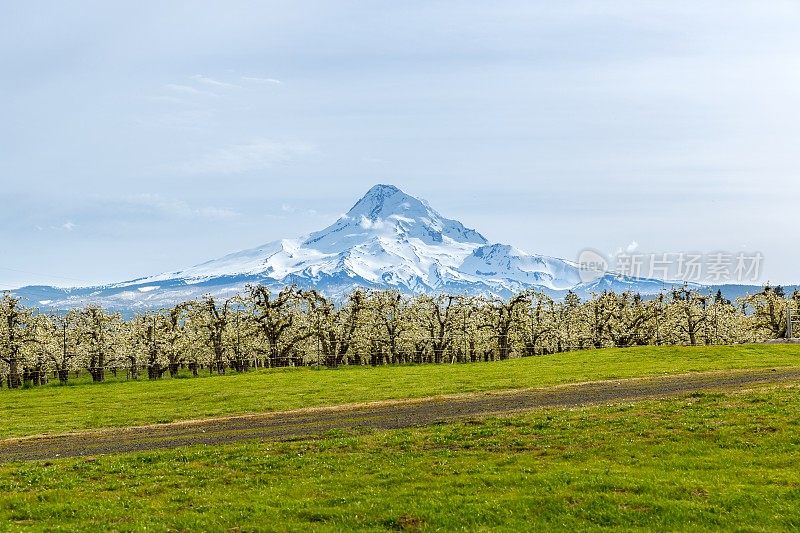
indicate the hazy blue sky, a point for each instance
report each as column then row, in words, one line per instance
column 149, row 136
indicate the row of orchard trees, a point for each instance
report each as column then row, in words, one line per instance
column 296, row 327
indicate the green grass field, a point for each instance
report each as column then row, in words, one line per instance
column 704, row 461
column 54, row 408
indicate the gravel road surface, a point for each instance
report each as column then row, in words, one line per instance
column 304, row 423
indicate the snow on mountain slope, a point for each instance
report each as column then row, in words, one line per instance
column 388, row 239
column 391, row 238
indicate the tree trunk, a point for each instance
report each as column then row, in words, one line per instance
column 154, row 371
column 438, row 354
column 40, row 377
column 100, row 370
column 14, row 379
column 98, row 374
column 503, row 346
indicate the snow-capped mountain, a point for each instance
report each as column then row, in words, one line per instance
column 388, row 240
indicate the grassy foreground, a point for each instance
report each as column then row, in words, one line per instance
column 54, row 408
column 721, row 461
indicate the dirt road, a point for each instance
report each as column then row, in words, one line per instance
column 380, row 415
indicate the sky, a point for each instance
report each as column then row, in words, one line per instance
column 143, row 137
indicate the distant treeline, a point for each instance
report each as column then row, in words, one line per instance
column 301, row 327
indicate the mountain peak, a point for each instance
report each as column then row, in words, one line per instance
column 383, row 201
column 388, row 210
column 382, row 188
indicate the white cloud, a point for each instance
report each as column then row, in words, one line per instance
column 371, row 224
column 266, row 81
column 256, row 154
column 66, row 226
column 214, row 83
column 179, row 208
column 629, row 249
column 216, row 213
column 186, row 89
column 207, row 86
column 286, row 208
